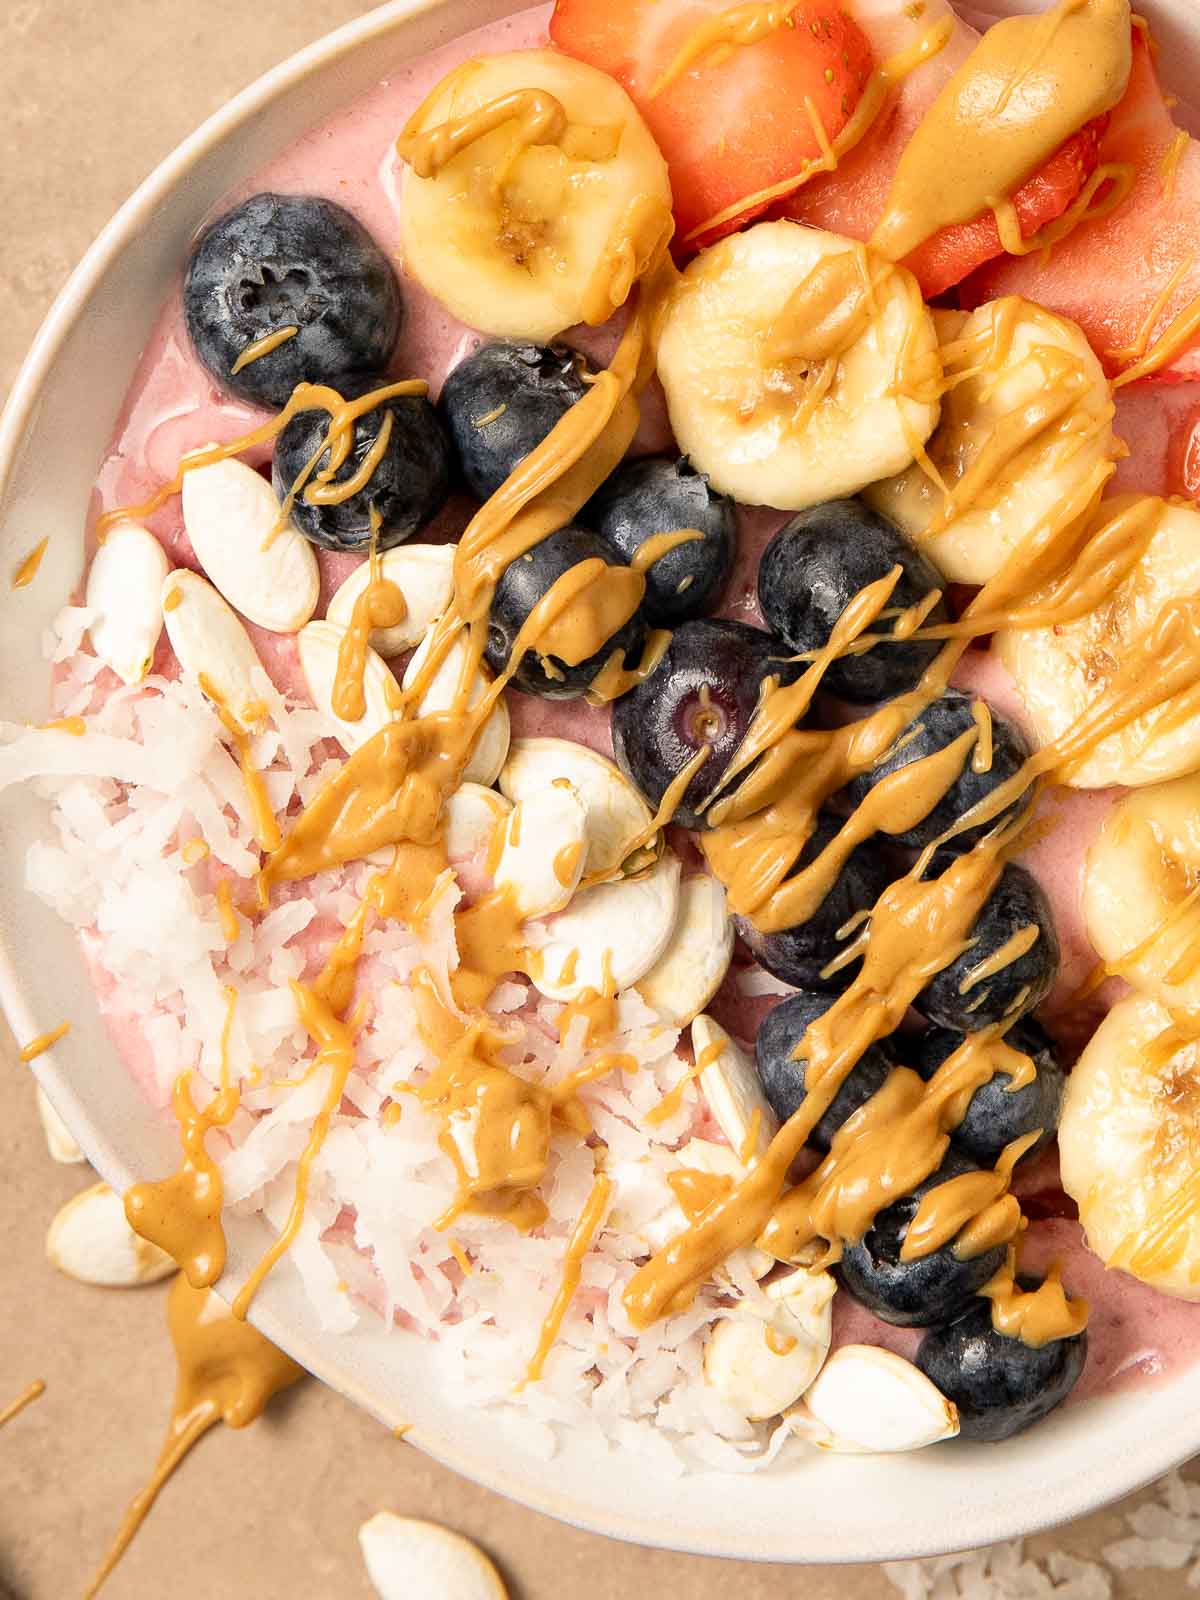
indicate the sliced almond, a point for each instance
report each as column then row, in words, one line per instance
column 707, row 1156
column 212, row 645
column 545, row 843
column 806, row 1298
column 690, row 970
column 443, row 692
column 470, row 817
column 408, row 1559
column 760, row 1368
column 267, row 572
column 319, row 643
column 90, row 1240
column 731, row 1086
column 612, row 933
column 616, row 812
column 60, row 1141
column 424, row 574
column 124, row 589
column 642, row 1205
column 868, row 1401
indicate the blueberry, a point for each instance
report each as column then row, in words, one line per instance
column 996, row 1114
column 703, row 691
column 967, row 995
column 940, row 724
column 814, row 567
column 661, row 494
column 783, row 1077
column 501, row 402
column 524, row 582
column 282, row 261
column 920, row 1293
column 1000, row 1385
column 799, row 955
column 407, row 488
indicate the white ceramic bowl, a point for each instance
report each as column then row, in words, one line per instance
column 52, row 436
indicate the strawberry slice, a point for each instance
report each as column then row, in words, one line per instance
column 732, row 120
column 1110, row 274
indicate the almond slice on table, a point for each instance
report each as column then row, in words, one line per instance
column 616, row 813
column 266, row 571
column 424, row 574
column 868, row 1401
column 91, row 1241
column 212, row 645
column 60, row 1141
column 442, row 693
column 691, row 969
column 610, row 934
column 409, row 1559
column 319, row 643
column 545, row 843
column 124, row 589
column 730, row 1085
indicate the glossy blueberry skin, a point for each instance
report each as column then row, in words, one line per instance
column 814, row 567
column 783, row 1079
column 939, row 725
column 1021, row 985
column 408, row 487
column 798, row 955
column 502, row 401
column 660, row 494
column 1000, row 1385
column 995, row 1115
column 920, row 1293
column 661, row 724
column 279, row 261
column 524, row 582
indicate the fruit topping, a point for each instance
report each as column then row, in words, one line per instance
column 993, row 751
column 783, row 1076
column 927, row 1289
column 553, row 666
column 641, row 506
column 1000, row 1384
column 797, row 366
column 534, row 195
column 702, row 693
column 822, row 953
column 502, row 401
column 399, row 456
column 288, row 289
column 814, row 567
column 1010, row 963
column 1003, row 1109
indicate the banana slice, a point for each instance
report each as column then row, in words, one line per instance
column 1027, row 433
column 1129, row 1146
column 690, row 970
column 788, row 416
column 616, row 812
column 612, row 934
column 1140, row 903
column 1060, row 671
column 442, row 694
column 540, row 201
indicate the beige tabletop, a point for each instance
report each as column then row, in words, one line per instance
column 93, row 93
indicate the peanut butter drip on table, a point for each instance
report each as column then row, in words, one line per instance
column 1029, row 84
column 26, row 1398
column 227, row 1372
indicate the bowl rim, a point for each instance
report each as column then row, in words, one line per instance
column 1082, row 1495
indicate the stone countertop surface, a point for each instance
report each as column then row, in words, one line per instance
column 94, row 95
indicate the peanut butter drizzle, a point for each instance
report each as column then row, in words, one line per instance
column 975, row 1206
column 591, row 1220
column 566, row 860
column 659, row 544
column 673, row 1099
column 615, row 679
column 266, row 828
column 258, row 348
column 1011, row 950
column 73, row 725
column 696, row 1191
column 28, row 569
column 1141, row 343
column 1175, row 339
column 874, row 98
column 1168, row 167
column 1029, row 84
column 44, row 1041
column 381, row 604
column 981, row 760
column 226, row 914
column 226, row 1372
column 1038, row 1317
column 716, row 38
column 26, row 1398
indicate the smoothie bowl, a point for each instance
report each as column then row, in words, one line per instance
column 604, row 737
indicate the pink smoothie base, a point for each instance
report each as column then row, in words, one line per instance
column 1136, row 1335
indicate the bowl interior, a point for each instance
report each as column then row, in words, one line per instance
column 52, row 437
